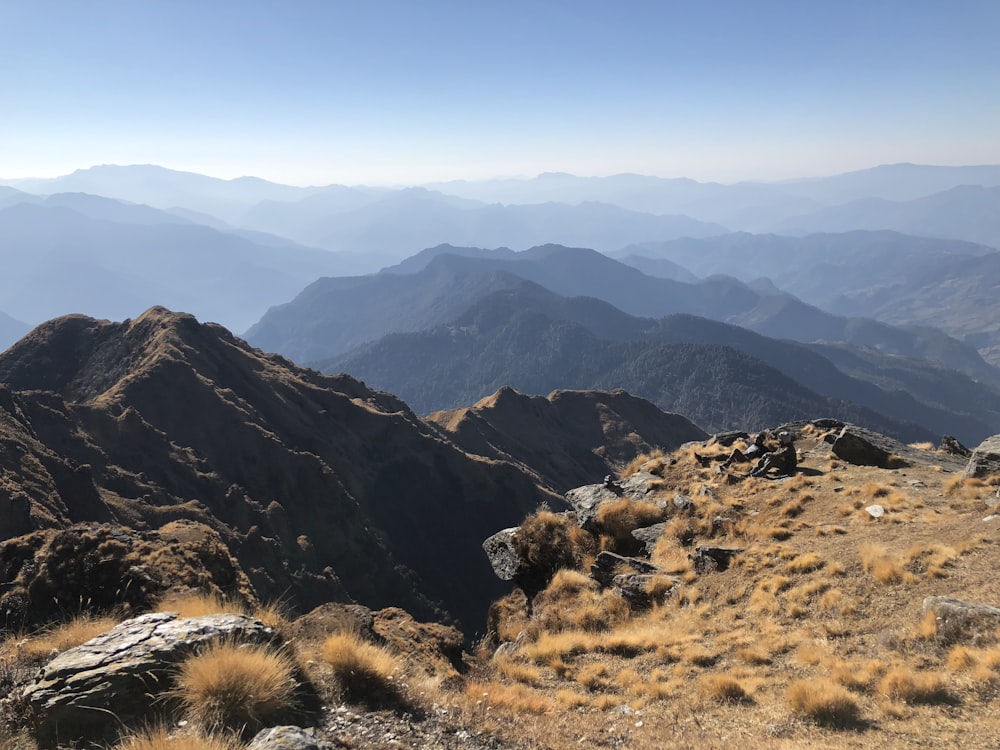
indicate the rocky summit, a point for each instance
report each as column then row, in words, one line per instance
column 174, row 436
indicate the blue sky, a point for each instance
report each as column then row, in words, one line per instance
column 368, row 91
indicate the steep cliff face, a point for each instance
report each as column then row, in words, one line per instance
column 318, row 485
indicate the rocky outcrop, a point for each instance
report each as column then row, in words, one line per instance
column 587, row 500
column 116, row 678
column 985, row 459
column 963, row 622
column 108, row 566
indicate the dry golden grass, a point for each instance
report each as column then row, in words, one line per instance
column 159, row 738
column 884, row 567
column 825, row 702
column 236, row 686
column 617, row 519
column 517, row 671
column 363, row 671
column 724, row 689
column 517, row 698
column 61, row 637
column 904, row 684
column 199, row 604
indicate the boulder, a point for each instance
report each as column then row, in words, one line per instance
column 648, row 536
column 865, row 448
column 499, row 548
column 288, row 738
column 607, row 565
column 116, row 678
column 985, row 459
column 587, row 500
column 951, row 445
column 643, row 590
column 708, row 558
column 960, row 621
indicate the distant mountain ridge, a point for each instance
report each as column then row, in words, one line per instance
column 899, row 279
column 80, row 253
column 334, row 314
column 721, row 376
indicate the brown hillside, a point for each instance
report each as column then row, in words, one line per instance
column 568, row 439
column 316, row 484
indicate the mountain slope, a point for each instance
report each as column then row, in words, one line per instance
column 317, row 484
column 568, row 438
column 510, row 339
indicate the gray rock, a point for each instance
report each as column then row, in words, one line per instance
column 708, row 558
column 607, row 564
column 875, row 511
column 288, row 738
column 863, row 447
column 499, row 548
column 586, row 500
column 648, row 536
column 116, row 678
column 643, row 590
column 960, row 621
column 985, row 459
column 951, row 445
column 681, row 502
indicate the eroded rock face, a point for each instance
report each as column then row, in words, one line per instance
column 985, row 459
column 118, row 677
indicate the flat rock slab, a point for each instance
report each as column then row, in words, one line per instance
column 587, row 500
column 116, row 678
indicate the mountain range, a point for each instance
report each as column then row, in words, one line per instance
column 721, row 376
column 896, row 278
column 321, row 488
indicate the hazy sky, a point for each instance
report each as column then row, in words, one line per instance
column 373, row 91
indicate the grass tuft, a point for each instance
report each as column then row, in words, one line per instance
column 160, row 739
column 363, row 670
column 825, row 702
column 240, row 687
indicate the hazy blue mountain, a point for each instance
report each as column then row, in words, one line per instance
column 401, row 222
column 335, row 314
column 11, row 330
column 751, row 206
column 900, row 279
column 661, row 268
column 59, row 260
column 894, row 182
column 519, row 339
column 167, row 188
column 966, row 212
